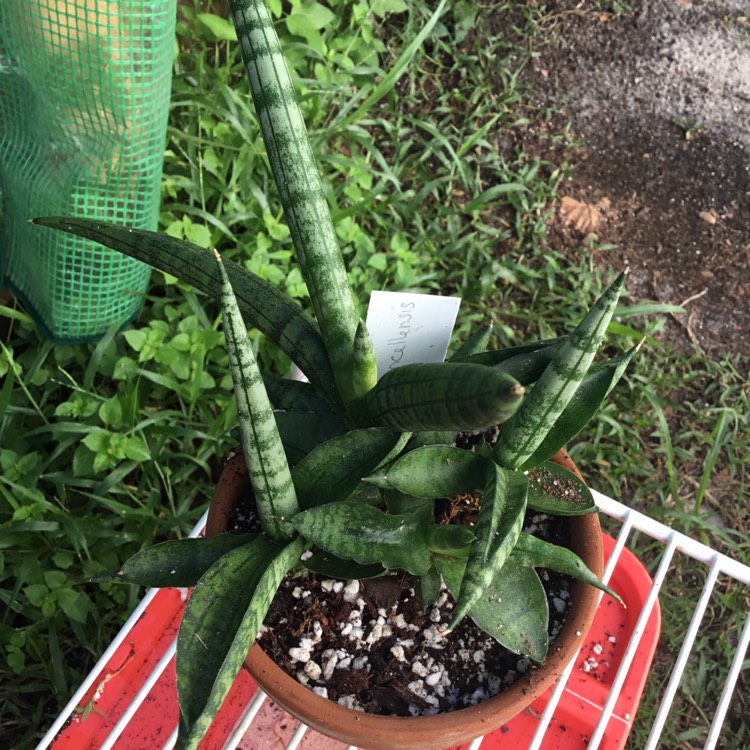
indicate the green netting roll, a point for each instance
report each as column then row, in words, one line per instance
column 84, row 99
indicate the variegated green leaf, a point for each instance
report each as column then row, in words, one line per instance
column 442, row 396
column 430, row 437
column 496, row 357
column 178, row 562
column 590, row 394
column 528, row 367
column 330, row 566
column 271, row 479
column 364, row 363
column 298, row 182
column 399, row 502
column 536, row 553
column 333, row 470
column 553, row 489
column 526, row 430
column 475, row 344
column 221, row 620
column 365, row 534
column 450, row 539
column 294, row 395
column 263, row 306
column 434, row 471
column 500, row 520
column 302, row 431
column 428, row 588
column 513, row 609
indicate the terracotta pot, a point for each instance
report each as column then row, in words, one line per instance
column 375, row 732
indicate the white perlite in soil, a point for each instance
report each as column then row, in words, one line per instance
column 346, row 635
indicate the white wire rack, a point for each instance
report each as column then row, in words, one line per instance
column 257, row 719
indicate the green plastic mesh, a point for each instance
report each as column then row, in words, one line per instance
column 84, row 99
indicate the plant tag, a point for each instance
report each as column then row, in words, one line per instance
column 409, row 328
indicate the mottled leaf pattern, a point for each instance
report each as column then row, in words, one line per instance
column 512, row 609
column 367, row 535
column 298, row 182
column 263, row 306
column 220, row 623
column 275, row 497
column 442, row 396
column 553, row 489
column 434, row 471
column 553, row 391
column 536, row 553
column 587, row 399
column 178, row 562
column 500, row 520
column 333, row 470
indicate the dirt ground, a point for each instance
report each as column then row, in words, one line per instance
column 660, row 99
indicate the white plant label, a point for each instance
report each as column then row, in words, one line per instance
column 409, row 328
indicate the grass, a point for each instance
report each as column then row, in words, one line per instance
column 444, row 179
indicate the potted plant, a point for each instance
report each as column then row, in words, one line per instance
column 345, row 470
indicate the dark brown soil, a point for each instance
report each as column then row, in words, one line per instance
column 388, row 674
column 473, row 666
column 660, row 100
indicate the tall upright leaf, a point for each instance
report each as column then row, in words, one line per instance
column 524, row 432
column 497, row 529
column 275, row 497
column 298, row 181
column 589, row 395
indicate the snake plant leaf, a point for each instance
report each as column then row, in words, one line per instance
column 333, row 470
column 360, row 532
column 475, row 344
column 513, row 609
column 325, row 564
column 221, row 620
column 434, row 471
column 399, row 502
column 428, row 588
column 178, row 562
column 430, row 437
column 298, row 181
column 590, row 394
column 263, row 306
column 553, row 489
column 526, row 430
column 442, row 396
column 302, row 431
column 450, row 539
column 364, row 363
column 270, row 476
column 294, row 395
column 528, row 367
column 498, row 526
column 530, row 551
column 495, row 357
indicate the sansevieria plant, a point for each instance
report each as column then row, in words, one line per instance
column 349, row 466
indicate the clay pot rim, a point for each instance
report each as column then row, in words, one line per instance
column 348, row 725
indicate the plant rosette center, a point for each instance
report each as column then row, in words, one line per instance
column 369, row 645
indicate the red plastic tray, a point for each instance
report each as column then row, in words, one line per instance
column 575, row 718
column 594, row 671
